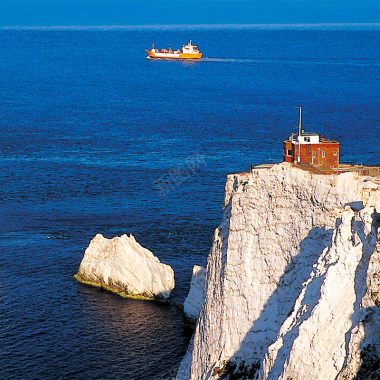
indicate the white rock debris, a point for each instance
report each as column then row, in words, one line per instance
column 123, row 266
column 293, row 280
column 195, row 298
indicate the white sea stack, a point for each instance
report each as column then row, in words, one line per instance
column 195, row 298
column 123, row 266
column 293, row 280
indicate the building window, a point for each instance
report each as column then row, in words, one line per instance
column 314, row 154
column 289, row 152
column 335, row 153
column 323, row 153
column 307, row 139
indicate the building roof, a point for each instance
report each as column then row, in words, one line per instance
column 309, row 134
column 305, row 134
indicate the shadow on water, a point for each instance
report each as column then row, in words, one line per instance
column 248, row 360
column 123, row 328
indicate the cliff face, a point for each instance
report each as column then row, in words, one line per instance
column 123, row 266
column 195, row 298
column 292, row 283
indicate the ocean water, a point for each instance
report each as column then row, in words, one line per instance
column 97, row 139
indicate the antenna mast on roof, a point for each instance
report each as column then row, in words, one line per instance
column 299, row 133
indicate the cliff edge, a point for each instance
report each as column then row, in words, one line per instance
column 293, row 280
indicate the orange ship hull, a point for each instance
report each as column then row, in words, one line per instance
column 173, row 55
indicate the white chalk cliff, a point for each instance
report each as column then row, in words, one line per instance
column 195, row 298
column 293, row 280
column 123, row 266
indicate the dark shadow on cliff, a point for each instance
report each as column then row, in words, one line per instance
column 360, row 278
column 369, row 351
column 278, row 308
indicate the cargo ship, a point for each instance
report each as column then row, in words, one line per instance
column 188, row 51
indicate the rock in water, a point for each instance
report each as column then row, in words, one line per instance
column 292, row 289
column 125, row 267
column 195, row 298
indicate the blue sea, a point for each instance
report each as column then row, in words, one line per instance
column 94, row 138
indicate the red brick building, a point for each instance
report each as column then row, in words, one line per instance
column 309, row 148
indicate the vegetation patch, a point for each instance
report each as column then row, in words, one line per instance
column 370, row 367
column 233, row 371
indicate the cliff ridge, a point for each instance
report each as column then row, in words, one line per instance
column 292, row 281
